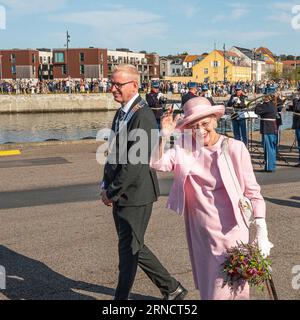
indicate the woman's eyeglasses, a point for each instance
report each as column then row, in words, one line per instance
column 205, row 125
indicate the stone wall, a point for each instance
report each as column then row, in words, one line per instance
column 56, row 103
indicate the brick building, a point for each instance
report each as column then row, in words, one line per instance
column 154, row 65
column 85, row 63
column 19, row 64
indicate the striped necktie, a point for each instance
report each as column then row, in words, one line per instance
column 121, row 117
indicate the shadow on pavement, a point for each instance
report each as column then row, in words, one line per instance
column 48, row 196
column 29, row 279
column 90, row 192
column 285, row 203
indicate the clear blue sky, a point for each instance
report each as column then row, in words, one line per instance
column 164, row 26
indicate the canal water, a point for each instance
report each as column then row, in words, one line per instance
column 20, row 128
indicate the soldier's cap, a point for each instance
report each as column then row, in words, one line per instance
column 155, row 85
column 192, row 85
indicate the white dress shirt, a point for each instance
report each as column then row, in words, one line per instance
column 129, row 104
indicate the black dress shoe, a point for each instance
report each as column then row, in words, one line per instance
column 179, row 294
column 297, row 165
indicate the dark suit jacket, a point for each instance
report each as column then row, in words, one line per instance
column 296, row 118
column 187, row 97
column 267, row 110
column 153, row 102
column 133, row 184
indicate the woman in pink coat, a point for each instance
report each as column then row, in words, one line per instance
column 204, row 193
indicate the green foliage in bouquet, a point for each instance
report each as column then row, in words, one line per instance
column 245, row 263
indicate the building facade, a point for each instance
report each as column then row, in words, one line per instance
column 146, row 63
column 272, row 64
column 216, row 67
column 45, row 64
column 85, row 63
column 189, row 62
column 153, row 64
column 165, row 67
column 255, row 60
column 19, row 64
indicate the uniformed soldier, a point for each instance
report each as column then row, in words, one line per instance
column 269, row 131
column 296, row 121
column 206, row 93
column 191, row 94
column 238, row 102
column 155, row 100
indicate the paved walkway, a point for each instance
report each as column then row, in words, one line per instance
column 58, row 242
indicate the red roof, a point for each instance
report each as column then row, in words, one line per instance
column 265, row 51
column 290, row 62
column 191, row 58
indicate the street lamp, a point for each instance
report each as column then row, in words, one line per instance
column 67, row 60
column 224, row 48
column 252, row 63
column 1, row 67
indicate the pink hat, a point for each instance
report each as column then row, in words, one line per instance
column 198, row 108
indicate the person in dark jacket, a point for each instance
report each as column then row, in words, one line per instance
column 155, row 100
column 269, row 131
column 207, row 94
column 132, row 188
column 191, row 94
column 296, row 121
column 237, row 101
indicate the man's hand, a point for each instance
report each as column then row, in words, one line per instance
column 105, row 199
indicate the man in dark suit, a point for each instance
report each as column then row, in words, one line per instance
column 131, row 190
column 296, row 120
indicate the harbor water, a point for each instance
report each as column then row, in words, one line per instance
column 40, row 127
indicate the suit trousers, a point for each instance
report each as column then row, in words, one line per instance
column 131, row 224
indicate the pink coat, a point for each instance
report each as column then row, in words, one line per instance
column 180, row 161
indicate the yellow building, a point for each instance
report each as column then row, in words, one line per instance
column 211, row 68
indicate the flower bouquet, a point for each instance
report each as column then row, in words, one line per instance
column 245, row 264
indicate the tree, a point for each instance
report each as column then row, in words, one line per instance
column 274, row 74
column 292, row 75
column 183, row 53
column 290, row 57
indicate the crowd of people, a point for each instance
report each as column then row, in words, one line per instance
column 217, row 89
column 221, row 89
column 34, row 86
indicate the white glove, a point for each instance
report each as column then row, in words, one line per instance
column 160, row 95
column 263, row 242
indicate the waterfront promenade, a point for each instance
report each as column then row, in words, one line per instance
column 57, row 241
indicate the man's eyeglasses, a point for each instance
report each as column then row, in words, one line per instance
column 119, row 85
